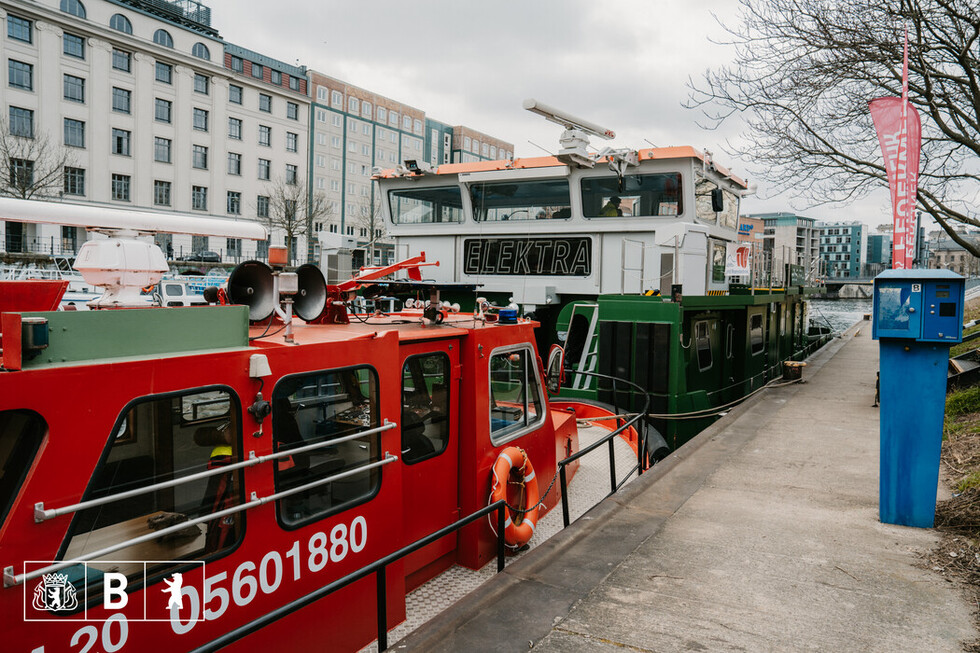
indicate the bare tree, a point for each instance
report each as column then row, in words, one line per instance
column 33, row 165
column 372, row 224
column 803, row 75
column 292, row 211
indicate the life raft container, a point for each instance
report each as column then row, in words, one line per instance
column 516, row 533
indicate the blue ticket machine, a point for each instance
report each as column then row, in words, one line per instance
column 918, row 314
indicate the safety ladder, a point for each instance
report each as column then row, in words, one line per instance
column 590, row 352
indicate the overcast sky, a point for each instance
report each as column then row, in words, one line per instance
column 624, row 64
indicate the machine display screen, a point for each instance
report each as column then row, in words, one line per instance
column 942, row 294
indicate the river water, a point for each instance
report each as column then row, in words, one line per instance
column 839, row 313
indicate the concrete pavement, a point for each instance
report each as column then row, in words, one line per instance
column 761, row 534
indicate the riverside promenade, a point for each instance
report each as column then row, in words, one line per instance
column 761, row 534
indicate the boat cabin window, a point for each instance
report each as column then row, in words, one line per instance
column 159, row 439
column 702, row 341
column 426, row 205
column 756, row 335
column 21, row 433
column 317, row 408
column 425, row 407
column 526, row 200
column 718, row 256
column 516, row 404
column 637, row 195
column 705, row 203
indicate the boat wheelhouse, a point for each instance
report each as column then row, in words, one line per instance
column 621, row 256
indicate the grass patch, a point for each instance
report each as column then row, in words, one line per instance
column 971, row 482
column 962, row 402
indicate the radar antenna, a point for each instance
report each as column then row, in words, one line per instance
column 575, row 139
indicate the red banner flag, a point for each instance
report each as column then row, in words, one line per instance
column 900, row 136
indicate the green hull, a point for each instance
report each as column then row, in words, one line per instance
column 702, row 354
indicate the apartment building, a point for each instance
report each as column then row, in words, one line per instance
column 155, row 111
column 790, row 239
column 355, row 131
column 843, row 248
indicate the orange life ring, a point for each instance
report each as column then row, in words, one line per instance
column 511, row 458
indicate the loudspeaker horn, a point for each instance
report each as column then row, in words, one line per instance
column 250, row 284
column 311, row 299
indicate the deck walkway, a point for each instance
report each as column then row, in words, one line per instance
column 761, row 534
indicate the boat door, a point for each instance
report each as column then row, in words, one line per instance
column 429, row 451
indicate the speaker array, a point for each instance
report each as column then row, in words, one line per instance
column 250, row 284
column 311, row 299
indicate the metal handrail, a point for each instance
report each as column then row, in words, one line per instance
column 40, row 514
column 377, row 567
column 608, row 439
column 10, row 579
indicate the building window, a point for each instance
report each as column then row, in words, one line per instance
column 73, row 45
column 337, row 99
column 382, row 114
column 122, row 60
column 199, row 198
column 200, row 157
column 200, row 119
column 234, row 94
column 120, row 142
column 257, row 71
column 265, row 135
column 353, row 105
column 163, row 110
column 20, row 75
column 74, row 88
column 294, row 83
column 234, row 163
column 335, row 141
column 393, row 119
column 164, row 72
column 201, row 51
column 74, row 133
column 162, row 37
column 19, row 29
column 275, row 77
column 262, row 206
column 161, row 149
column 292, row 111
column 234, row 203
column 120, row 188
column 21, row 122
column 201, row 83
column 265, row 103
column 291, row 174
column 265, row 167
column 237, row 64
column 73, row 7
column 121, row 23
column 366, row 110
column 292, row 142
column 337, row 394
column 21, row 173
column 235, row 128
column 161, row 192
column 74, row 181
column 121, row 100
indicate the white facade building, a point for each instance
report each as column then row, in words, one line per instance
column 157, row 111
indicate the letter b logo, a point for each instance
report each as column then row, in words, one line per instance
column 114, row 591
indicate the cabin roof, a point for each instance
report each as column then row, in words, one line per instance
column 407, row 325
column 653, row 153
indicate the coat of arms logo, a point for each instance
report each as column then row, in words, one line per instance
column 55, row 593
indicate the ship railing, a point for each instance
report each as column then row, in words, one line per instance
column 610, row 440
column 10, row 579
column 41, row 514
column 379, row 569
